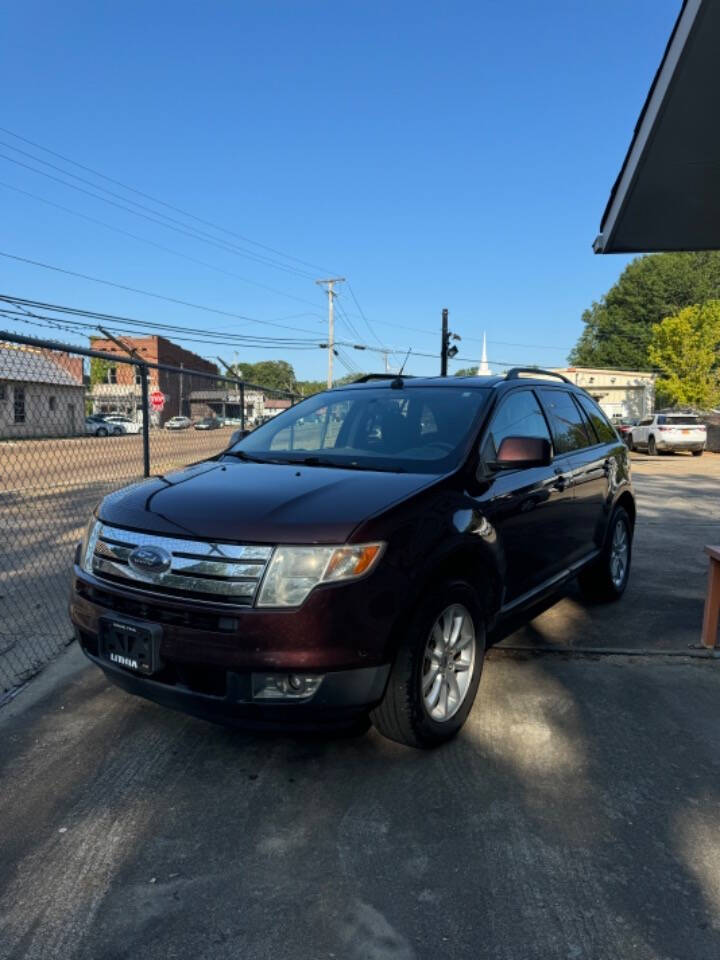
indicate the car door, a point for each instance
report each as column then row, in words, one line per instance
column 529, row 509
column 641, row 432
column 589, row 462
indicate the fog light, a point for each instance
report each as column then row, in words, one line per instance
column 285, row 686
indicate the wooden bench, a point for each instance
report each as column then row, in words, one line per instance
column 712, row 600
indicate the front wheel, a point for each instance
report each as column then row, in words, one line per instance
column 697, row 453
column 437, row 670
column 101, row 432
column 652, row 447
column 606, row 578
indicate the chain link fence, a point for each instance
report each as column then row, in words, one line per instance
column 76, row 424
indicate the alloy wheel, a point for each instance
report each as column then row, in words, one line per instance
column 448, row 663
column 619, row 554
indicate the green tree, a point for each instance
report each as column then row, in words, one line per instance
column 685, row 348
column 618, row 327
column 466, row 372
column 99, row 370
column 276, row 374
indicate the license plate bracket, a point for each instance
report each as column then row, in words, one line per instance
column 131, row 644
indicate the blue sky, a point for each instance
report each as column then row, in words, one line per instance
column 451, row 154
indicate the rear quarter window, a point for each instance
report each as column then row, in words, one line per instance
column 568, row 427
column 597, row 418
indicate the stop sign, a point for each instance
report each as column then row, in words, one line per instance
column 157, row 399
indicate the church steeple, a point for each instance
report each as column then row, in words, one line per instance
column 484, row 370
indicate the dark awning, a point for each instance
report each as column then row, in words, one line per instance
column 667, row 196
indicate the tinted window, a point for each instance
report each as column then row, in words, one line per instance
column 568, row 427
column 418, row 429
column 519, row 415
column 676, row 420
column 603, row 430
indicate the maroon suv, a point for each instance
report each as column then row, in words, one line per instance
column 349, row 556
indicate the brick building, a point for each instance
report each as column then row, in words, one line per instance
column 119, row 390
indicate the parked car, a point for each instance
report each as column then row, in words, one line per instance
column 207, row 423
column 178, row 423
column 99, row 426
column 624, row 427
column 126, row 424
column 280, row 582
column 668, row 433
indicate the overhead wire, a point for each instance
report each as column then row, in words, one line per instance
column 224, row 245
column 162, row 203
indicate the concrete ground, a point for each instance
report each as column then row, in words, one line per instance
column 576, row 816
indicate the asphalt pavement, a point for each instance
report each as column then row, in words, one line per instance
column 574, row 817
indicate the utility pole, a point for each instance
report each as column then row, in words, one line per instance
column 331, row 323
column 444, row 344
column 132, row 351
column 447, row 351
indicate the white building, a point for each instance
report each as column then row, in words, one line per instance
column 620, row 393
column 41, row 393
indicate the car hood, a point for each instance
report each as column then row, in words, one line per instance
column 258, row 502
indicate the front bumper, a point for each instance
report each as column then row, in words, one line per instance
column 211, row 651
column 342, row 696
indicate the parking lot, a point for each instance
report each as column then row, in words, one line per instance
column 574, row 817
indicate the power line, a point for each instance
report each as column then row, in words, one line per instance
column 148, row 293
column 224, row 245
column 159, row 246
column 162, row 203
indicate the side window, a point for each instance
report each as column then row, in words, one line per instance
column 519, row 415
column 646, row 422
column 597, row 418
column 569, row 431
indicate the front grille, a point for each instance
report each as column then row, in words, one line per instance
column 202, row 570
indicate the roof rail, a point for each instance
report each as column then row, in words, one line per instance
column 381, row 376
column 514, row 374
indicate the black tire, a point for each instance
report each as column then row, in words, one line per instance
column 101, row 432
column 118, row 431
column 402, row 715
column 652, row 447
column 596, row 581
column 697, row 453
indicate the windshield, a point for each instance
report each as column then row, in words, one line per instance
column 413, row 429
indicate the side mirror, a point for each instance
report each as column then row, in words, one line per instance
column 518, row 453
column 236, row 436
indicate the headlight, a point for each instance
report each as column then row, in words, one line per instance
column 295, row 571
column 89, row 540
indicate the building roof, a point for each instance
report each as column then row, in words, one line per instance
column 667, row 194
column 30, row 365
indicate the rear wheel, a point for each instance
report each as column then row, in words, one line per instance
column 437, row 670
column 607, row 577
column 697, row 453
column 101, row 432
column 652, row 447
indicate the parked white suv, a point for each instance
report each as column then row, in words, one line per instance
column 669, row 432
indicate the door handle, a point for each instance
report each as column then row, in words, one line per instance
column 562, row 481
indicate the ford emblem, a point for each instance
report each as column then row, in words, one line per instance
column 150, row 560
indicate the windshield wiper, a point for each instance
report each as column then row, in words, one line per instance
column 242, row 455
column 320, row 462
